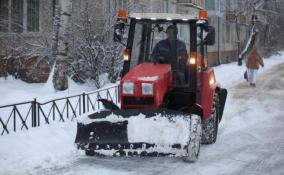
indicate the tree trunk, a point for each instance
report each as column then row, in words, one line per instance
column 60, row 43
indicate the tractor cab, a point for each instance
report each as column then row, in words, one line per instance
column 161, row 38
column 175, row 46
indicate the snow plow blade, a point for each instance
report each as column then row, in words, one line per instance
column 146, row 132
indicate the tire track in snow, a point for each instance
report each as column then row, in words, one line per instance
column 266, row 163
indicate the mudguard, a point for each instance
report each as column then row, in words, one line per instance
column 222, row 101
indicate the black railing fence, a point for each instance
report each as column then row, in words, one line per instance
column 22, row 116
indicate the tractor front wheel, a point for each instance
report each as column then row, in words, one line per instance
column 210, row 126
column 193, row 146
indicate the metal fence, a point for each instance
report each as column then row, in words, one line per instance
column 22, row 116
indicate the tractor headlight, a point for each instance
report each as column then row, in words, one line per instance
column 128, row 88
column 147, row 88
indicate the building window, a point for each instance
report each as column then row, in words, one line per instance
column 210, row 5
column 228, row 32
column 4, row 16
column 33, row 15
column 223, row 31
column 120, row 4
column 19, row 16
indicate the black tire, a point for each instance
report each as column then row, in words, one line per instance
column 210, row 126
column 193, row 147
column 89, row 152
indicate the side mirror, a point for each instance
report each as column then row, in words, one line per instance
column 119, row 29
column 210, row 38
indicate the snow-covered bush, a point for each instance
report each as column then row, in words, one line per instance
column 94, row 58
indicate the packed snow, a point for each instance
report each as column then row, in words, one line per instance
column 150, row 130
column 250, row 139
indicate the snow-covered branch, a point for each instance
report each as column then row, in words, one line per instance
column 249, row 42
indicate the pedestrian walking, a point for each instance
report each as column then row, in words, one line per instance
column 253, row 62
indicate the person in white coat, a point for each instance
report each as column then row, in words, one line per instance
column 253, row 62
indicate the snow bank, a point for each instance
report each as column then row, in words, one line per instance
column 42, row 147
column 16, row 91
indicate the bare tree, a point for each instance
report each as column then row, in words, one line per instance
column 60, row 43
column 94, row 53
column 260, row 23
column 272, row 38
column 266, row 26
column 93, row 50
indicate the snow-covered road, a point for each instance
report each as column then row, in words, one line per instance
column 250, row 139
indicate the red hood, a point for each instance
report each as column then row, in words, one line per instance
column 148, row 72
column 158, row 74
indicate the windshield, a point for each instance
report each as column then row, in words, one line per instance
column 154, row 43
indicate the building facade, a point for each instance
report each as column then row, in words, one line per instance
column 24, row 22
column 231, row 30
column 29, row 22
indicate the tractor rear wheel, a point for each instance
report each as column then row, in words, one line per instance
column 193, row 147
column 210, row 127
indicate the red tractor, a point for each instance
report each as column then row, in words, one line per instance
column 170, row 99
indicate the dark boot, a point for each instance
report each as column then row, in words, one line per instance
column 252, row 84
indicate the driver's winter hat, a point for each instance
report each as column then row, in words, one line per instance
column 172, row 27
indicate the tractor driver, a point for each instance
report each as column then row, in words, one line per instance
column 172, row 51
